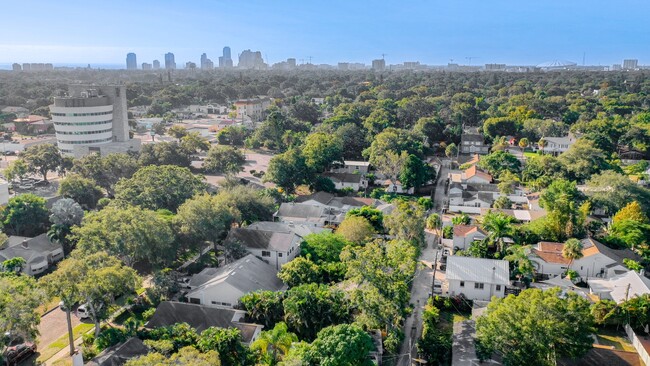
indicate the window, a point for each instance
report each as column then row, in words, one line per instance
column 478, row 286
column 195, row 300
column 498, row 287
column 266, row 253
column 280, row 255
column 462, row 283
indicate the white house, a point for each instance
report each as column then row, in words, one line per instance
column 306, row 214
column 274, row 246
column 477, row 278
column 396, row 187
column 597, row 259
column 470, row 175
column 621, row 287
column 347, row 180
column 464, row 235
column 329, row 200
column 39, row 252
column 558, row 145
column 224, row 286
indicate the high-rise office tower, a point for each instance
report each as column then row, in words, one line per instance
column 206, row 63
column 378, row 65
column 170, row 63
column 156, row 65
column 131, row 61
column 146, row 66
column 251, row 60
column 630, row 64
column 204, row 58
column 226, row 59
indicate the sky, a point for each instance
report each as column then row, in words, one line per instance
column 522, row 32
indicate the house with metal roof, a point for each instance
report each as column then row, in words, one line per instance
column 477, row 278
column 309, row 214
column 39, row 252
column 620, row 288
column 224, row 286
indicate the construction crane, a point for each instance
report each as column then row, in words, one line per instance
column 470, row 58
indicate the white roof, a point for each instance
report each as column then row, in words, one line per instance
column 358, row 163
column 616, row 286
column 566, row 140
column 471, row 269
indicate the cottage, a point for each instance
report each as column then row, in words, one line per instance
column 202, row 317
column 621, row 287
column 39, row 252
column 329, row 200
column 396, row 187
column 597, row 260
column 352, row 166
column 473, row 143
column 558, row 145
column 477, row 278
column 120, row 353
column 465, row 235
column 275, row 247
column 309, row 214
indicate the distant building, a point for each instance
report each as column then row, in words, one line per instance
column 558, row 145
column 156, row 65
column 190, row 65
column 170, row 62
column 146, row 66
column 631, row 64
column 225, row 61
column 26, row 67
column 16, row 67
column 206, row 63
column 289, row 64
column 131, row 61
column 412, row 65
column 251, row 60
column 92, row 119
column 252, row 108
column 344, row 66
column 616, row 67
column 495, row 67
column 379, row 65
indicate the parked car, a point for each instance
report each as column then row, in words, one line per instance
column 18, row 353
column 83, row 311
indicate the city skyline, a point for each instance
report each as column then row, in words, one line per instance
column 434, row 33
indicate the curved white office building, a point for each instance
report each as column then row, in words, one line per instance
column 89, row 119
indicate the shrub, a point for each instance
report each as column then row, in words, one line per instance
column 110, row 337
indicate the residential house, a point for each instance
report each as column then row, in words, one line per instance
column 347, row 180
column 471, row 175
column 33, row 123
column 620, row 288
column 39, row 252
column 224, row 286
column 558, row 145
column 523, row 216
column 274, row 246
column 396, row 187
column 18, row 111
column 477, row 278
column 329, row 200
column 597, row 260
column 120, row 353
column 201, row 317
column 473, row 143
column 465, row 235
column 352, row 166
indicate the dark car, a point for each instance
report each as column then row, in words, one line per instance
column 15, row 354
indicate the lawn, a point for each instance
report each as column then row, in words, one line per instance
column 530, row 154
column 616, row 339
column 62, row 342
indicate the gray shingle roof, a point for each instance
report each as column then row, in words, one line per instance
column 247, row 274
column 471, row 269
column 37, row 248
column 119, row 354
column 259, row 239
column 300, row 210
column 200, row 317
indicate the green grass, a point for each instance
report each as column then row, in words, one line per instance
column 614, row 339
column 530, row 154
column 61, row 343
column 459, row 318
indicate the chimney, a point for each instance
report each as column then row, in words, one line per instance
column 25, row 244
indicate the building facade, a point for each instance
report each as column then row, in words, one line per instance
column 90, row 117
column 156, row 65
column 131, row 61
column 252, row 108
column 170, row 62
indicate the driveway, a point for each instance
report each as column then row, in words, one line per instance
column 440, row 196
column 54, row 325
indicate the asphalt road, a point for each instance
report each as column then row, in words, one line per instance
column 54, row 325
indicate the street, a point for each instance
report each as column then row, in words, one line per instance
column 53, row 326
column 423, row 280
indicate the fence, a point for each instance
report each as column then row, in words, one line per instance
column 638, row 344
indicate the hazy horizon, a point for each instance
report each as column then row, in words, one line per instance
column 432, row 32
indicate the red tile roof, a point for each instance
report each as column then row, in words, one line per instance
column 464, row 230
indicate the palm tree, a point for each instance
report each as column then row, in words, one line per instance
column 274, row 341
column 519, row 255
column 572, row 250
column 499, row 226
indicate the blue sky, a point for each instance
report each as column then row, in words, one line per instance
column 432, row 32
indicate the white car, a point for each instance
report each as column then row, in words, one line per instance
column 83, row 312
